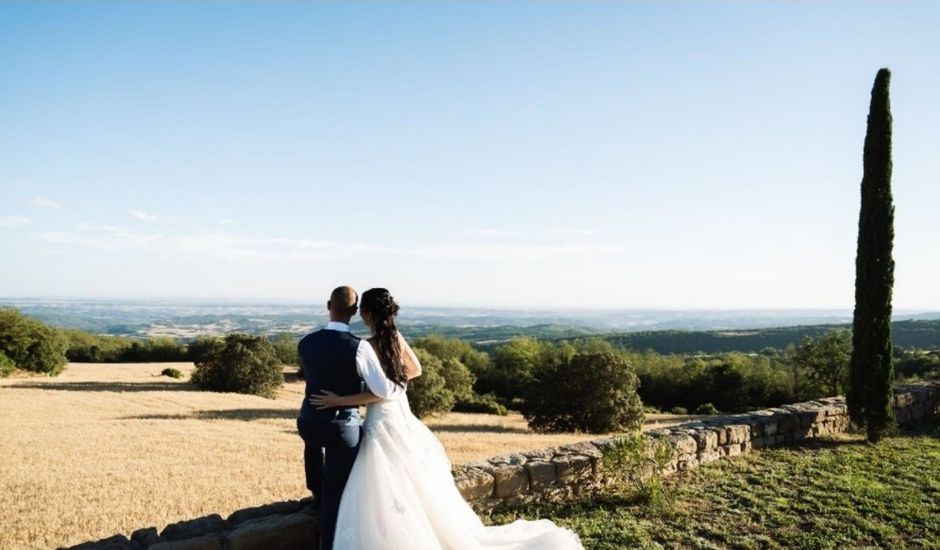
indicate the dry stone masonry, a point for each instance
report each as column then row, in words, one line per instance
column 552, row 474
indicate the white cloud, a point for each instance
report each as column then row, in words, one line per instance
column 488, row 232
column 13, row 221
column 244, row 249
column 573, row 231
column 87, row 226
column 43, row 202
column 141, row 215
column 514, row 252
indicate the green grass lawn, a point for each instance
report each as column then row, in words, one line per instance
column 833, row 493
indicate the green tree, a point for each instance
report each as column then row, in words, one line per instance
column 428, row 394
column 31, row 345
column 592, row 392
column 825, row 361
column 285, row 345
column 871, row 374
column 7, row 366
column 458, row 379
column 454, row 348
column 203, row 346
column 243, row 364
column 513, row 368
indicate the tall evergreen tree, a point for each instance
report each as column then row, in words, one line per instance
column 871, row 373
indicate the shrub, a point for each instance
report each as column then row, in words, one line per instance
column 733, row 382
column 84, row 347
column 204, row 346
column 428, row 394
column 172, row 373
column 678, row 410
column 486, row 404
column 635, row 463
column 243, row 364
column 30, row 344
column 285, row 345
column 592, row 392
column 155, row 350
column 706, row 408
column 7, row 366
column 919, row 364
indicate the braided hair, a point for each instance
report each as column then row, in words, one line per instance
column 380, row 305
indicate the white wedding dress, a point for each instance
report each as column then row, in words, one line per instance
column 401, row 496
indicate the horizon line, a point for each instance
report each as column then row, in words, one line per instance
column 221, row 300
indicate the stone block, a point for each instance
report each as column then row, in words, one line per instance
column 731, row 449
column 475, row 484
column 787, row 423
column 510, row 480
column 117, row 542
column 282, row 508
column 683, row 444
column 146, row 537
column 194, row 528
column 761, row 442
column 291, row 532
column 543, row 455
column 769, row 426
column 541, row 475
column 515, row 459
column 738, row 433
column 707, row 440
column 722, row 435
column 585, row 448
column 211, row 541
column 709, row 456
column 573, row 468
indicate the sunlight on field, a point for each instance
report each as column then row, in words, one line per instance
column 106, row 449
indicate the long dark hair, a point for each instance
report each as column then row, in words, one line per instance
column 380, row 305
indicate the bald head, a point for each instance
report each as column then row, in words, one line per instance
column 343, row 304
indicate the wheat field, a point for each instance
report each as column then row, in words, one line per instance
column 105, row 449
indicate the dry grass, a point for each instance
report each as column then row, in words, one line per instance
column 106, row 449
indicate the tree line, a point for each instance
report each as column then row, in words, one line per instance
column 588, row 384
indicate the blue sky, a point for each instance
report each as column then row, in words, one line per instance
column 508, row 154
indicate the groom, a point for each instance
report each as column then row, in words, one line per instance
column 334, row 360
column 330, row 360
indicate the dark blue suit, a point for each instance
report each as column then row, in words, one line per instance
column 328, row 358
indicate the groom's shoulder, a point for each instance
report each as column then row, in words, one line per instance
column 325, row 334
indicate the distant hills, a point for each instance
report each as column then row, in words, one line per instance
column 665, row 331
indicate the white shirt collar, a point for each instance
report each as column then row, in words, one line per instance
column 336, row 325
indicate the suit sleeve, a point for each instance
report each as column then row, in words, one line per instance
column 367, row 363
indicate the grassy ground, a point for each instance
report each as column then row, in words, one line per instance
column 837, row 493
column 105, row 449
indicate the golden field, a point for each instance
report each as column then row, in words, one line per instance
column 105, row 449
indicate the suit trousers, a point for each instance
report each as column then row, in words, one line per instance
column 330, row 448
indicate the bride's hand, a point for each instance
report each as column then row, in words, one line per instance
column 325, row 400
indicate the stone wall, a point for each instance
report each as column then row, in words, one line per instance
column 556, row 473
column 561, row 472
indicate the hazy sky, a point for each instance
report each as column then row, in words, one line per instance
column 555, row 154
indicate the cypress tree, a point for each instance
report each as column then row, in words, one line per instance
column 871, row 373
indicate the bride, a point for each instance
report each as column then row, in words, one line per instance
column 400, row 493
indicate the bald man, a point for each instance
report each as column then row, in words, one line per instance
column 333, row 359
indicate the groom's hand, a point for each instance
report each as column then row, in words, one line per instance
column 324, row 400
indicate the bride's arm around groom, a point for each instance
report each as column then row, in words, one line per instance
column 379, row 386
